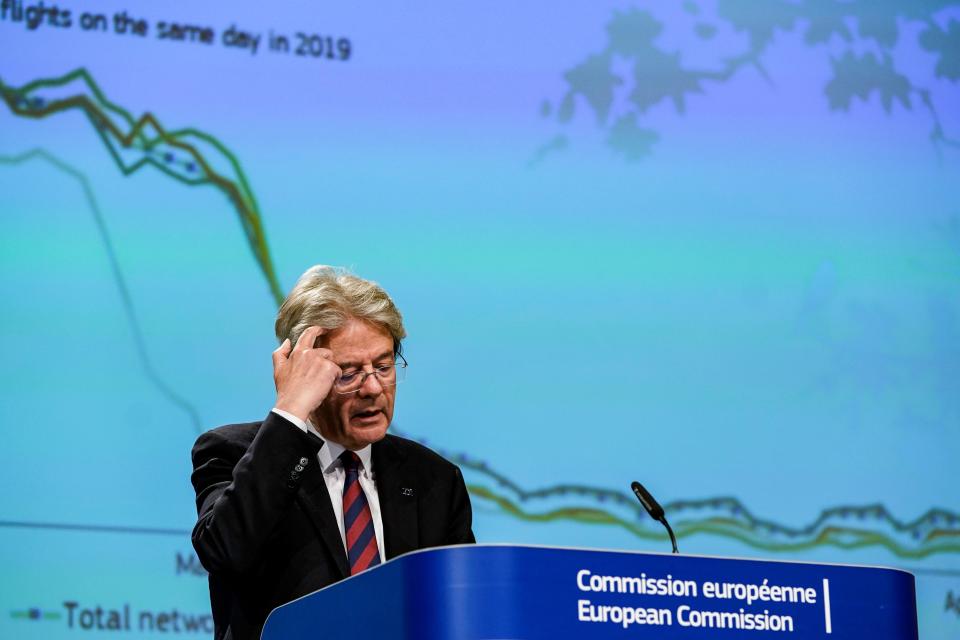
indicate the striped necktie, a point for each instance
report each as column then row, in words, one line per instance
column 357, row 522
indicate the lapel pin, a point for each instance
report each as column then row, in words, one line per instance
column 407, row 491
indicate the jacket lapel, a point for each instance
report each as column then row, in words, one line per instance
column 315, row 500
column 398, row 497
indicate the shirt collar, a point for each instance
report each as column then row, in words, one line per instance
column 330, row 455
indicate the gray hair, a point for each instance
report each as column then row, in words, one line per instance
column 328, row 296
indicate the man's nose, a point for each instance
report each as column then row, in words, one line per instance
column 371, row 385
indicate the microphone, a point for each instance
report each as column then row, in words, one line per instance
column 654, row 509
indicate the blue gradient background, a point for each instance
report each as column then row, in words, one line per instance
column 763, row 303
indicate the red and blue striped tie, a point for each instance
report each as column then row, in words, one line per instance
column 361, row 539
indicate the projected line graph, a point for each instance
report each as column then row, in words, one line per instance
column 191, row 157
column 187, row 155
column 845, row 527
column 123, row 290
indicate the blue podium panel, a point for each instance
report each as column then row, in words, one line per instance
column 485, row 592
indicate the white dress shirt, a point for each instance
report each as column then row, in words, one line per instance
column 335, row 476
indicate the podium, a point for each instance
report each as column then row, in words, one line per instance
column 475, row 592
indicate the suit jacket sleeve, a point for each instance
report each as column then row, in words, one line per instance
column 244, row 488
column 461, row 520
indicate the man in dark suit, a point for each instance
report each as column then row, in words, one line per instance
column 318, row 491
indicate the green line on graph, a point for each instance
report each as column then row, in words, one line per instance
column 845, row 526
column 175, row 153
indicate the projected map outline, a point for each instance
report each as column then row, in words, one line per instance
column 659, row 75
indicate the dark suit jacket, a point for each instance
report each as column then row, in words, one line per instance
column 266, row 531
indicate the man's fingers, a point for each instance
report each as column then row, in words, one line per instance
column 280, row 353
column 308, row 338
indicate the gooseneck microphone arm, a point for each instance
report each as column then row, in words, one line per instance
column 654, row 509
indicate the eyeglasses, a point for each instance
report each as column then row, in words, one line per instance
column 351, row 380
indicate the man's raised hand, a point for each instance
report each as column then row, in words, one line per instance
column 303, row 374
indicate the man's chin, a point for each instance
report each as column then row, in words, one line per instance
column 367, row 433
